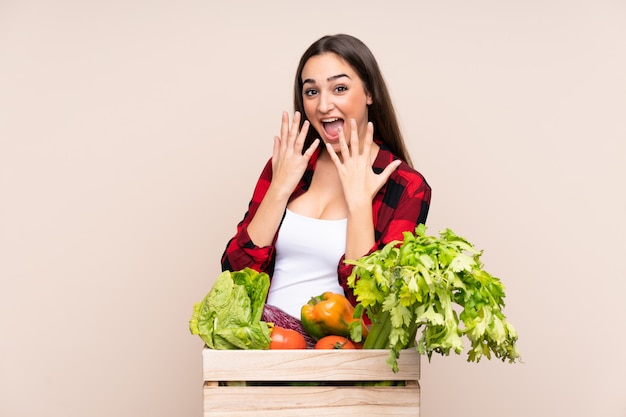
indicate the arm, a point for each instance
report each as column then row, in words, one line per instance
column 241, row 251
column 398, row 207
column 360, row 186
column 253, row 245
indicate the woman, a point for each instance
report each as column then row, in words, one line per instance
column 339, row 185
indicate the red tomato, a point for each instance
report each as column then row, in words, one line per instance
column 335, row 342
column 282, row 338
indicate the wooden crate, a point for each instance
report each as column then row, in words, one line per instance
column 268, row 372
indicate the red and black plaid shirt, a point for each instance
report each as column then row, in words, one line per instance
column 400, row 205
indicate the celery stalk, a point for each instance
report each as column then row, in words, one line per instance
column 378, row 337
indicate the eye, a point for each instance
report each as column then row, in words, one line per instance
column 310, row 92
column 341, row 88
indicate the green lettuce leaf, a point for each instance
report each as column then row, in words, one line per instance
column 229, row 316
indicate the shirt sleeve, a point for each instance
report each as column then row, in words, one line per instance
column 399, row 207
column 241, row 252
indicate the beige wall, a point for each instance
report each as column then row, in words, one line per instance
column 132, row 133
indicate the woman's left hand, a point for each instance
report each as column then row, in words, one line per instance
column 360, row 183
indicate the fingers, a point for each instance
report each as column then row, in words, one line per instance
column 393, row 165
column 295, row 127
column 333, row 155
column 343, row 146
column 369, row 134
column 358, row 147
column 311, row 150
column 287, row 155
column 276, row 149
column 299, row 142
column 290, row 133
column 368, row 141
column 284, row 128
column 354, row 137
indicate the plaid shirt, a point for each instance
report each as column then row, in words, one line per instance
column 400, row 205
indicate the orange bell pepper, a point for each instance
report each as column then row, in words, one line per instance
column 329, row 314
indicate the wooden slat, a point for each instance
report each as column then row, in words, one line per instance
column 311, row 401
column 307, row 365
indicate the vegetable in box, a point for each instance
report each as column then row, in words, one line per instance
column 229, row 316
column 418, row 284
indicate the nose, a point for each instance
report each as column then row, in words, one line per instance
column 325, row 103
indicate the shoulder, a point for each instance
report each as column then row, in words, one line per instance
column 410, row 174
column 266, row 172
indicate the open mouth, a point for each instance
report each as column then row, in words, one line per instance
column 331, row 127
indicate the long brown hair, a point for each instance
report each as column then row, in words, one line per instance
column 381, row 112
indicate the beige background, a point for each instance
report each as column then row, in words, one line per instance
column 132, row 133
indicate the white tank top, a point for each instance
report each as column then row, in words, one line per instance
column 308, row 251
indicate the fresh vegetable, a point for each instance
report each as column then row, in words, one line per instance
column 282, row 338
column 229, row 316
column 416, row 283
column 334, row 342
column 273, row 314
column 330, row 314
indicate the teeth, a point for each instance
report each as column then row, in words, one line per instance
column 330, row 120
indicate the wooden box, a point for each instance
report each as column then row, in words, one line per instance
column 309, row 382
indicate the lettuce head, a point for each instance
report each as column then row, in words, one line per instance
column 229, row 316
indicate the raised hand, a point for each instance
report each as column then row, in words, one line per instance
column 288, row 161
column 354, row 165
column 288, row 166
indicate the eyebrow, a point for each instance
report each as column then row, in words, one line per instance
column 332, row 78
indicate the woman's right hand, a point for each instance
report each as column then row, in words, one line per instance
column 288, row 161
column 288, row 167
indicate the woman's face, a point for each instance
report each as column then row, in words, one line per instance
column 333, row 94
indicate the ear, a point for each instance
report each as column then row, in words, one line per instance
column 369, row 99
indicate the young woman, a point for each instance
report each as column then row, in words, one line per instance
column 339, row 184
